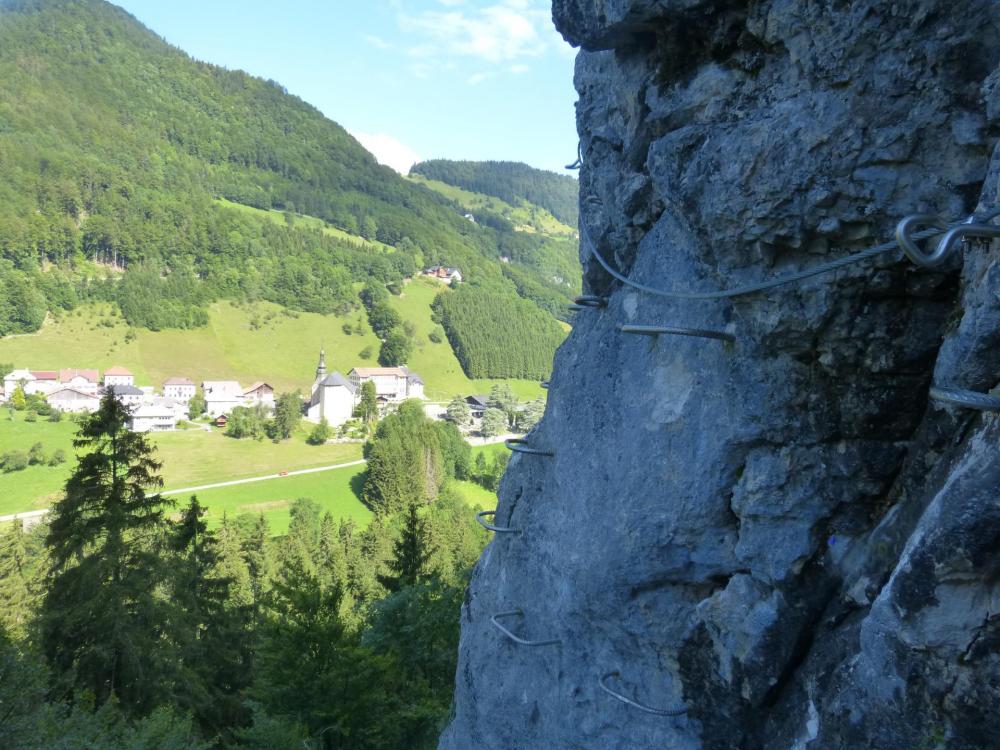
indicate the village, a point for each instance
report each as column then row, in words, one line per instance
column 333, row 398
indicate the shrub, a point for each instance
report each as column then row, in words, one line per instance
column 365, row 353
column 320, row 433
column 59, row 457
column 30, row 416
column 36, row 454
column 14, row 461
column 56, row 416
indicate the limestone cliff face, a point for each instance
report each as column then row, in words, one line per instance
column 781, row 534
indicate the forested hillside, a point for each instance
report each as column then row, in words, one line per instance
column 117, row 151
column 510, row 181
column 494, row 337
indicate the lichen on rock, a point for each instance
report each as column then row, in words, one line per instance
column 782, row 534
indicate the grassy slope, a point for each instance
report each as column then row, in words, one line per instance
column 520, row 216
column 337, row 491
column 189, row 458
column 307, row 222
column 282, row 350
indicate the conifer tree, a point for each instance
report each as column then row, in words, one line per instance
column 103, row 617
column 212, row 636
column 411, row 553
column 19, row 580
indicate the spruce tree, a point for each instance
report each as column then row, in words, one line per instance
column 103, row 615
column 212, row 635
column 411, row 553
column 19, row 580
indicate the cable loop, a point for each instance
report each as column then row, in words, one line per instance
column 946, row 245
column 491, row 527
column 520, row 445
column 578, row 164
column 966, row 399
column 641, row 706
column 791, row 278
column 518, row 639
column 676, row 331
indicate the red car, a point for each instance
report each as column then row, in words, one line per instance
column 282, row 473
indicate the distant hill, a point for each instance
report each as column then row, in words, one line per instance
column 510, row 181
column 122, row 158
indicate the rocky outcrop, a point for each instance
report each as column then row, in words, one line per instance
column 782, row 534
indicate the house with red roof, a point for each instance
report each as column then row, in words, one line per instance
column 118, row 376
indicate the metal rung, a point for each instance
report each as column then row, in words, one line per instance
column 966, row 399
column 675, row 331
column 589, row 300
column 642, row 707
column 946, row 245
column 520, row 445
column 491, row 527
column 516, row 639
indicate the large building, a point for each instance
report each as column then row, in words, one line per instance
column 391, row 383
column 85, row 381
column 73, row 400
column 118, row 376
column 333, row 396
column 180, row 389
column 152, row 418
column 222, row 396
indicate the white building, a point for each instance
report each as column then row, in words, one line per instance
column 13, row 379
column 179, row 389
column 127, row 394
column 72, row 400
column 118, row 376
column 222, row 396
column 259, row 393
column 45, row 382
column 333, row 397
column 85, row 381
column 391, row 383
column 178, row 408
column 152, row 418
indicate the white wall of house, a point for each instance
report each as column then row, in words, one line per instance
column 70, row 400
column 180, row 391
column 152, row 419
column 334, row 402
column 119, row 379
column 12, row 379
column 80, row 383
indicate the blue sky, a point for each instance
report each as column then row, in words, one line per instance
column 459, row 79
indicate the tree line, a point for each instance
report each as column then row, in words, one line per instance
column 126, row 622
column 509, row 181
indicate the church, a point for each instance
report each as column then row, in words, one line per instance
column 333, row 396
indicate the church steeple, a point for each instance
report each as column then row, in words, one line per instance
column 321, row 367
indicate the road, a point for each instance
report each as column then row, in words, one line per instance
column 32, row 517
column 234, row 482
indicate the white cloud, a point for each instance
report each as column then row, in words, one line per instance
column 389, row 151
column 502, row 31
column 519, row 69
column 476, row 78
column 377, row 41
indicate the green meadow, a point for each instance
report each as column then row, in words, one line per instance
column 251, row 342
column 193, row 458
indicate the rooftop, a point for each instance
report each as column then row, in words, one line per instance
column 123, row 390
column 67, row 374
column 335, row 379
column 117, row 370
column 178, row 381
column 45, row 374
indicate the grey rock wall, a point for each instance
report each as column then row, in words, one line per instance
column 782, row 535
